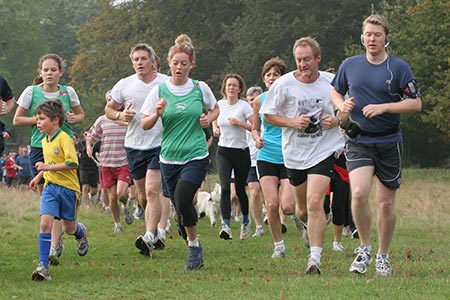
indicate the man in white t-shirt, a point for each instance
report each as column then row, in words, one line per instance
column 299, row 102
column 142, row 146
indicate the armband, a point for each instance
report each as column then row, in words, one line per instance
column 410, row 90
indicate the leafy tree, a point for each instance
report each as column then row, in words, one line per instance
column 269, row 29
column 420, row 36
column 31, row 29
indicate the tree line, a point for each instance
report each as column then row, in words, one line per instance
column 238, row 36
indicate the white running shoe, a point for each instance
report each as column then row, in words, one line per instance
column 118, row 229
column 41, row 273
column 259, row 231
column 346, row 231
column 313, row 267
column 245, row 232
column 362, row 260
column 337, row 246
column 225, row 232
column 383, row 265
column 53, row 257
column 278, row 253
column 301, row 226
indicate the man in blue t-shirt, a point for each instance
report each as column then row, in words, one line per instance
column 380, row 87
column 23, row 167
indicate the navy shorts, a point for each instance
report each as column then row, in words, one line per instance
column 385, row 157
column 325, row 167
column 36, row 155
column 194, row 171
column 252, row 175
column 140, row 161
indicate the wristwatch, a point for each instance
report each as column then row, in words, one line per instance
column 118, row 115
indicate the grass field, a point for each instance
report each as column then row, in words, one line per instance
column 113, row 268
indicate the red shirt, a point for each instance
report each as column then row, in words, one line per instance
column 9, row 166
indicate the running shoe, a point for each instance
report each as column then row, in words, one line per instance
column 337, row 246
column 60, row 246
column 53, row 257
column 83, row 243
column 362, row 260
column 303, row 230
column 118, row 229
column 41, row 273
column 346, row 231
column 195, row 258
column 259, row 231
column 245, row 232
column 383, row 265
column 313, row 267
column 129, row 218
column 225, row 232
column 278, row 253
column 144, row 245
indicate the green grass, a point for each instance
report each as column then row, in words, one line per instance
column 113, row 268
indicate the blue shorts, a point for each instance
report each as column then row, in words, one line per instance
column 385, row 157
column 193, row 171
column 325, row 167
column 140, row 161
column 59, row 202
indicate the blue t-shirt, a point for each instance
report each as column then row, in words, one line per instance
column 271, row 151
column 374, row 84
column 24, row 162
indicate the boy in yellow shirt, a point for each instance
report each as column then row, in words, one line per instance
column 62, row 188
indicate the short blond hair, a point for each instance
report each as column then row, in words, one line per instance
column 377, row 19
column 308, row 41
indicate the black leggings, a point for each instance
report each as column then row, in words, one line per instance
column 228, row 159
column 341, row 200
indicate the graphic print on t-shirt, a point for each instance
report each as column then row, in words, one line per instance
column 313, row 108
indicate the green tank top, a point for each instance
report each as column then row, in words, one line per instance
column 37, row 97
column 183, row 138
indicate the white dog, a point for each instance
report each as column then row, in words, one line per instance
column 208, row 204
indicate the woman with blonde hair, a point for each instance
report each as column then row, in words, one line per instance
column 185, row 106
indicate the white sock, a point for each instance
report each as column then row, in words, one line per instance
column 316, row 253
column 162, row 232
column 149, row 236
column 280, row 245
column 366, row 248
column 117, row 224
column 194, row 243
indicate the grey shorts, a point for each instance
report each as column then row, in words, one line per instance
column 385, row 157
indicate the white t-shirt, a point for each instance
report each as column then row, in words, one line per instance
column 133, row 90
column 25, row 98
column 233, row 136
column 288, row 97
column 252, row 148
column 209, row 100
